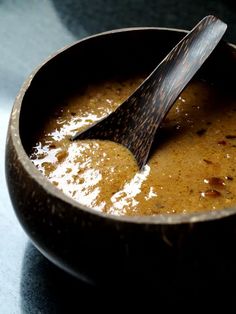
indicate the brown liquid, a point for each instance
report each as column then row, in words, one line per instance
column 192, row 167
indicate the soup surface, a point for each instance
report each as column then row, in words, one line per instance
column 191, row 168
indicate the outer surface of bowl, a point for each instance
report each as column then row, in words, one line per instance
column 93, row 246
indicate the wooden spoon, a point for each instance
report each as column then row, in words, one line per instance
column 135, row 122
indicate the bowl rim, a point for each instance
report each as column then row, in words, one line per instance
column 49, row 188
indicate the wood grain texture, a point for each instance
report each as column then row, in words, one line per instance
column 136, row 121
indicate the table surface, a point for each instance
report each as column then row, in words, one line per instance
column 29, row 32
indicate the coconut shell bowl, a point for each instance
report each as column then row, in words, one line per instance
column 97, row 247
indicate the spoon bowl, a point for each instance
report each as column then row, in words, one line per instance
column 97, row 247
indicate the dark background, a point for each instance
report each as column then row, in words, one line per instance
column 30, row 30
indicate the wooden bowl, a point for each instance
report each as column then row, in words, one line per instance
column 98, row 247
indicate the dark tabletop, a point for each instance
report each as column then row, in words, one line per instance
column 31, row 30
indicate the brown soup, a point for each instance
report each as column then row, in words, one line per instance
column 191, row 168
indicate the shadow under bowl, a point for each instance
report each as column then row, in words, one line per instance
column 97, row 247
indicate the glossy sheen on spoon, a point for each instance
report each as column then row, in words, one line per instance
column 135, row 122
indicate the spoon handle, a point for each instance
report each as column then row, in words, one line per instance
column 135, row 122
column 172, row 75
column 163, row 86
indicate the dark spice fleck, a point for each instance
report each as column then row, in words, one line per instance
column 215, row 182
column 229, row 178
column 209, row 123
column 208, row 161
column 222, row 143
column 73, row 113
column 201, row 132
column 211, row 193
column 231, row 137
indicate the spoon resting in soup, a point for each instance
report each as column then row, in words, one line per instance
column 191, row 167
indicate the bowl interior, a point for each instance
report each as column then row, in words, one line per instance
column 116, row 53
